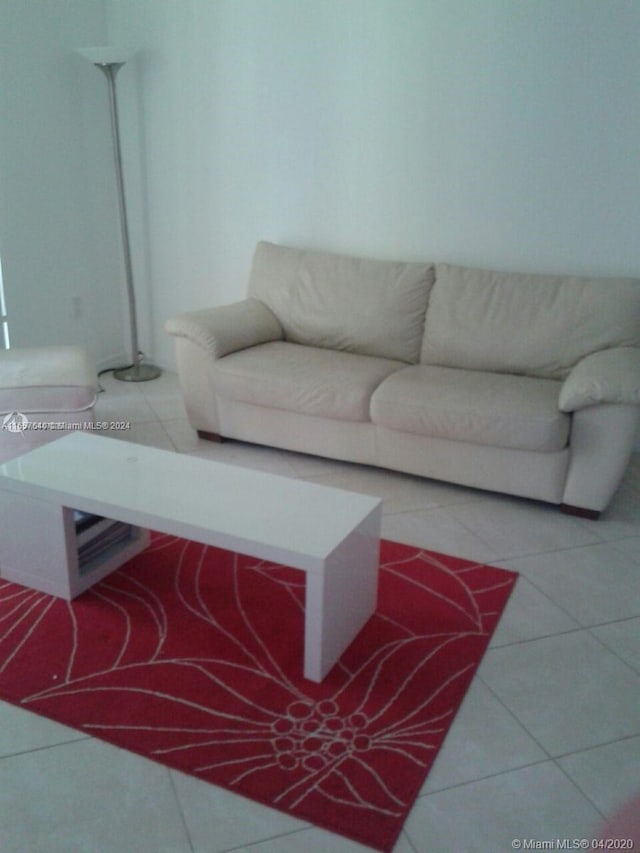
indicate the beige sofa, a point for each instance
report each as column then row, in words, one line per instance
column 523, row 384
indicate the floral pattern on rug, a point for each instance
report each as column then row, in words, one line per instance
column 192, row 656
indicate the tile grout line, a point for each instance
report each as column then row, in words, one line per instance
column 44, row 747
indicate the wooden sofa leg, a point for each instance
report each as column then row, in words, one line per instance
column 580, row 512
column 210, row 436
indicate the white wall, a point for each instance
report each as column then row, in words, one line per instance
column 501, row 133
column 496, row 133
column 58, row 217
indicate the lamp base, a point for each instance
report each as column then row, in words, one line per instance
column 137, row 373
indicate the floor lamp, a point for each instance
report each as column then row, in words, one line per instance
column 110, row 62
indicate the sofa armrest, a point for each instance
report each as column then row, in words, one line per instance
column 606, row 376
column 227, row 328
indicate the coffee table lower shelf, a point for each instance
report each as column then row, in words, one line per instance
column 42, row 552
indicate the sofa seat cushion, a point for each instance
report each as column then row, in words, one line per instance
column 495, row 409
column 339, row 302
column 308, row 380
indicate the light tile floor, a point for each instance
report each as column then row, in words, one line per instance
column 546, row 744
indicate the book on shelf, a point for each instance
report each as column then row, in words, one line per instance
column 84, row 520
column 96, row 535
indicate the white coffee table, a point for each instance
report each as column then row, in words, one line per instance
column 331, row 534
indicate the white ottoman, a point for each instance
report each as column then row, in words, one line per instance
column 45, row 392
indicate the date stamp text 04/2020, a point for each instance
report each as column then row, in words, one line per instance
column 573, row 844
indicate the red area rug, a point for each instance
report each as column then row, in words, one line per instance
column 192, row 656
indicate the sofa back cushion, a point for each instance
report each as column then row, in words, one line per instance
column 338, row 302
column 529, row 324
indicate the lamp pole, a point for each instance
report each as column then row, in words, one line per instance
column 136, row 372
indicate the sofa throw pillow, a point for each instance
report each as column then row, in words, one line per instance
column 529, row 324
column 321, row 299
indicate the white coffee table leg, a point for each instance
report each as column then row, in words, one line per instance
column 341, row 595
column 41, row 551
column 36, row 553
